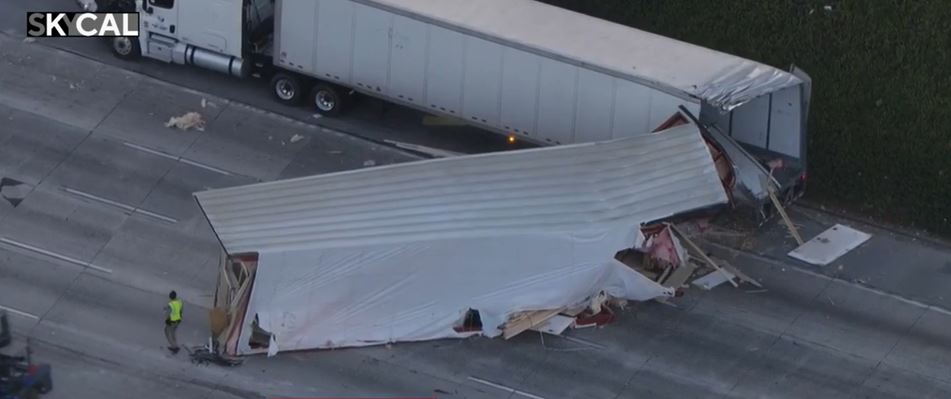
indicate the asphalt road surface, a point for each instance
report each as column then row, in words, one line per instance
column 97, row 224
column 370, row 118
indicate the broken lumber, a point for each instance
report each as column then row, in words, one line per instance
column 517, row 324
column 742, row 276
column 680, row 276
column 702, row 254
column 786, row 219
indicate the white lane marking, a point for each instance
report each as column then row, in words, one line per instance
column 504, row 388
column 54, row 255
column 847, row 283
column 203, row 166
column 20, row 312
column 116, row 204
column 582, row 342
column 175, row 158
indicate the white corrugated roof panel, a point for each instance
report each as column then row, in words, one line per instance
column 556, row 189
column 721, row 79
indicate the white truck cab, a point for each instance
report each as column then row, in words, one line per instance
column 213, row 34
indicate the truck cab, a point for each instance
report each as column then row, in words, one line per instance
column 221, row 35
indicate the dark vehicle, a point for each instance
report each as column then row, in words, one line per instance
column 20, row 378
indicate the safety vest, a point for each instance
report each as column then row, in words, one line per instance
column 176, row 310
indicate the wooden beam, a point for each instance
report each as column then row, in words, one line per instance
column 680, row 275
column 702, row 254
column 782, row 212
column 527, row 320
column 742, row 276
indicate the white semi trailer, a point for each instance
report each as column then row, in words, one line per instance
column 516, row 67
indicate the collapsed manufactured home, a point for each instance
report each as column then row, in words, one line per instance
column 405, row 252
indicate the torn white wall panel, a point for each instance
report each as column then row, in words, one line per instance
column 830, row 245
column 748, row 171
column 402, row 252
column 551, row 189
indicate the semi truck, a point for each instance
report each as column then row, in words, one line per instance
column 521, row 68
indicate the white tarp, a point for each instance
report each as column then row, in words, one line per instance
column 402, row 252
column 420, row 291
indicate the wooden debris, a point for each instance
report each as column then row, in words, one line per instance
column 680, row 276
column 555, row 325
column 526, row 320
column 782, row 212
column 713, row 279
column 219, row 320
column 702, row 254
column 667, row 272
column 742, row 276
column 573, row 311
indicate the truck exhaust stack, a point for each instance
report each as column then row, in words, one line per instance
column 191, row 55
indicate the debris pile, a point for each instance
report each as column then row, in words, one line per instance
column 190, row 120
column 492, row 244
column 671, row 258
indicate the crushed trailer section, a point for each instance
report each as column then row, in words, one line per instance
column 491, row 244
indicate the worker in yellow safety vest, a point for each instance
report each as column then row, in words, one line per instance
column 173, row 316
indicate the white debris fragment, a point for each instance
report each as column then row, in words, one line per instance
column 317, row 116
column 72, row 86
column 29, row 40
column 831, row 244
column 828, row 8
column 204, row 103
column 369, row 163
column 295, row 138
column 713, row 279
column 187, row 121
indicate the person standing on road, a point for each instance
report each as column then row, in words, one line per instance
column 173, row 316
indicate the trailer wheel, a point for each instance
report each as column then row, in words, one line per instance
column 287, row 88
column 126, row 48
column 329, row 100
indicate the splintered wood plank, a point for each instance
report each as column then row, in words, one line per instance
column 703, row 255
column 528, row 320
column 680, row 276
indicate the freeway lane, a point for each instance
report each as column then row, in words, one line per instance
column 370, row 118
column 91, row 296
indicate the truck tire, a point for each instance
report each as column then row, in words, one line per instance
column 328, row 99
column 287, row 88
column 126, row 48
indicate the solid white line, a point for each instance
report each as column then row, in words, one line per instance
column 54, row 255
column 21, row 313
column 155, row 215
column 797, row 269
column 203, row 166
column 150, row 151
column 179, row 159
column 504, row 388
column 116, row 204
column 99, row 199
